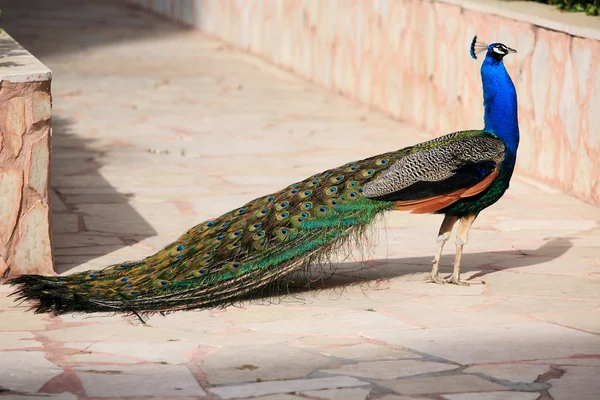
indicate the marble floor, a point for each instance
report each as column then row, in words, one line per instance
column 157, row 128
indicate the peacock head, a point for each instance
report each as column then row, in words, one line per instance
column 496, row 51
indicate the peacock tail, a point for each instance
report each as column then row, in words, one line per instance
column 230, row 257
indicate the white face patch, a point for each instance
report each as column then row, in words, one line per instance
column 499, row 50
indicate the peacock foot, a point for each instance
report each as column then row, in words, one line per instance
column 435, row 278
column 455, row 280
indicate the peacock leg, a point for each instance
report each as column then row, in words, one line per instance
column 444, row 234
column 462, row 235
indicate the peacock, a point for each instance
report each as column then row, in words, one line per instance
column 228, row 258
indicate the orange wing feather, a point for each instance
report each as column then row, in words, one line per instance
column 435, row 203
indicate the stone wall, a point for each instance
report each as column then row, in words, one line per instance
column 25, row 111
column 410, row 59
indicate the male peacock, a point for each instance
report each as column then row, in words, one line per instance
column 224, row 259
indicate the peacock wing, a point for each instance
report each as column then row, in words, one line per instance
column 439, row 172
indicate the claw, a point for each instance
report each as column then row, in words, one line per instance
column 431, row 278
column 455, row 280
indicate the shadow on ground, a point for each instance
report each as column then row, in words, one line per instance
column 97, row 22
column 339, row 275
column 76, row 185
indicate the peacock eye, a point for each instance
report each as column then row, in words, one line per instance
column 500, row 49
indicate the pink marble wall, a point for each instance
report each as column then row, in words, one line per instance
column 410, row 59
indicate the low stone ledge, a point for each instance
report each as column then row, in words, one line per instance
column 538, row 14
column 25, row 115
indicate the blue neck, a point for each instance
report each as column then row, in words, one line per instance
column 500, row 102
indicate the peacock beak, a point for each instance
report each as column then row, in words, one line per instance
column 511, row 50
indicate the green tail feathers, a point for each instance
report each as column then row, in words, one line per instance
column 225, row 259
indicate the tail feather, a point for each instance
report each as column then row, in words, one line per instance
column 228, row 258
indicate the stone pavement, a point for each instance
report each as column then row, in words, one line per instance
column 157, row 128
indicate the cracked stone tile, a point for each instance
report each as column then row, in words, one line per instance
column 587, row 321
column 533, row 305
column 339, row 394
column 65, row 223
column 547, row 264
column 288, row 386
column 510, row 372
column 493, row 396
column 554, row 286
column 97, row 317
column 5, row 289
column 583, row 361
column 17, row 340
column 82, row 263
column 18, row 320
column 242, row 364
column 242, row 338
column 145, row 380
column 357, row 298
column 56, row 204
column 9, row 303
column 124, row 222
column 86, row 357
column 387, row 370
column 367, row 351
column 26, row 371
column 441, row 385
column 450, row 302
column 452, row 319
column 279, row 397
column 441, row 290
column 192, row 321
column 487, row 344
column 340, row 324
column 122, row 332
column 258, row 313
column 95, row 199
column 315, row 341
column 539, row 224
column 42, row 396
column 396, row 397
column 86, row 250
column 578, row 381
column 171, row 352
